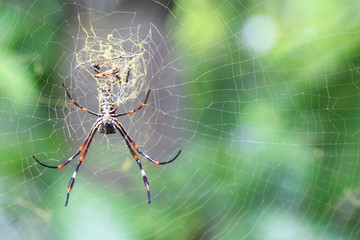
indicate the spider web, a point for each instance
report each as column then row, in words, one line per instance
column 262, row 97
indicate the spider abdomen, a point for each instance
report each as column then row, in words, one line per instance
column 106, row 101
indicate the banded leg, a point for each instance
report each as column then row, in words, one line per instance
column 133, row 111
column 141, row 152
column 72, row 180
column 73, row 156
column 76, row 104
column 146, row 182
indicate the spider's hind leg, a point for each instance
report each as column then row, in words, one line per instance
column 76, row 104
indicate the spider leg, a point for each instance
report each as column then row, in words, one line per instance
column 146, row 182
column 141, row 152
column 73, row 156
column 133, row 111
column 76, row 104
column 72, row 180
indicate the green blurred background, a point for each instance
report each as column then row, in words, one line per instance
column 263, row 100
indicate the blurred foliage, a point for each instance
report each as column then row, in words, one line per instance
column 274, row 144
column 293, row 109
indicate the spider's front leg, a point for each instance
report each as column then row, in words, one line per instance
column 85, row 146
column 72, row 180
column 141, row 152
column 145, row 179
column 92, row 131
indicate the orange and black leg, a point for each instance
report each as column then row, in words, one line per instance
column 145, row 180
column 73, row 156
column 141, row 152
column 76, row 104
column 85, row 146
column 72, row 180
column 133, row 111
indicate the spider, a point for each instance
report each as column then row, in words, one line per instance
column 107, row 124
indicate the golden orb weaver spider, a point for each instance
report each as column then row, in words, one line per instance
column 107, row 124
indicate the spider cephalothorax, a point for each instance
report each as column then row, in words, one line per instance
column 107, row 126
